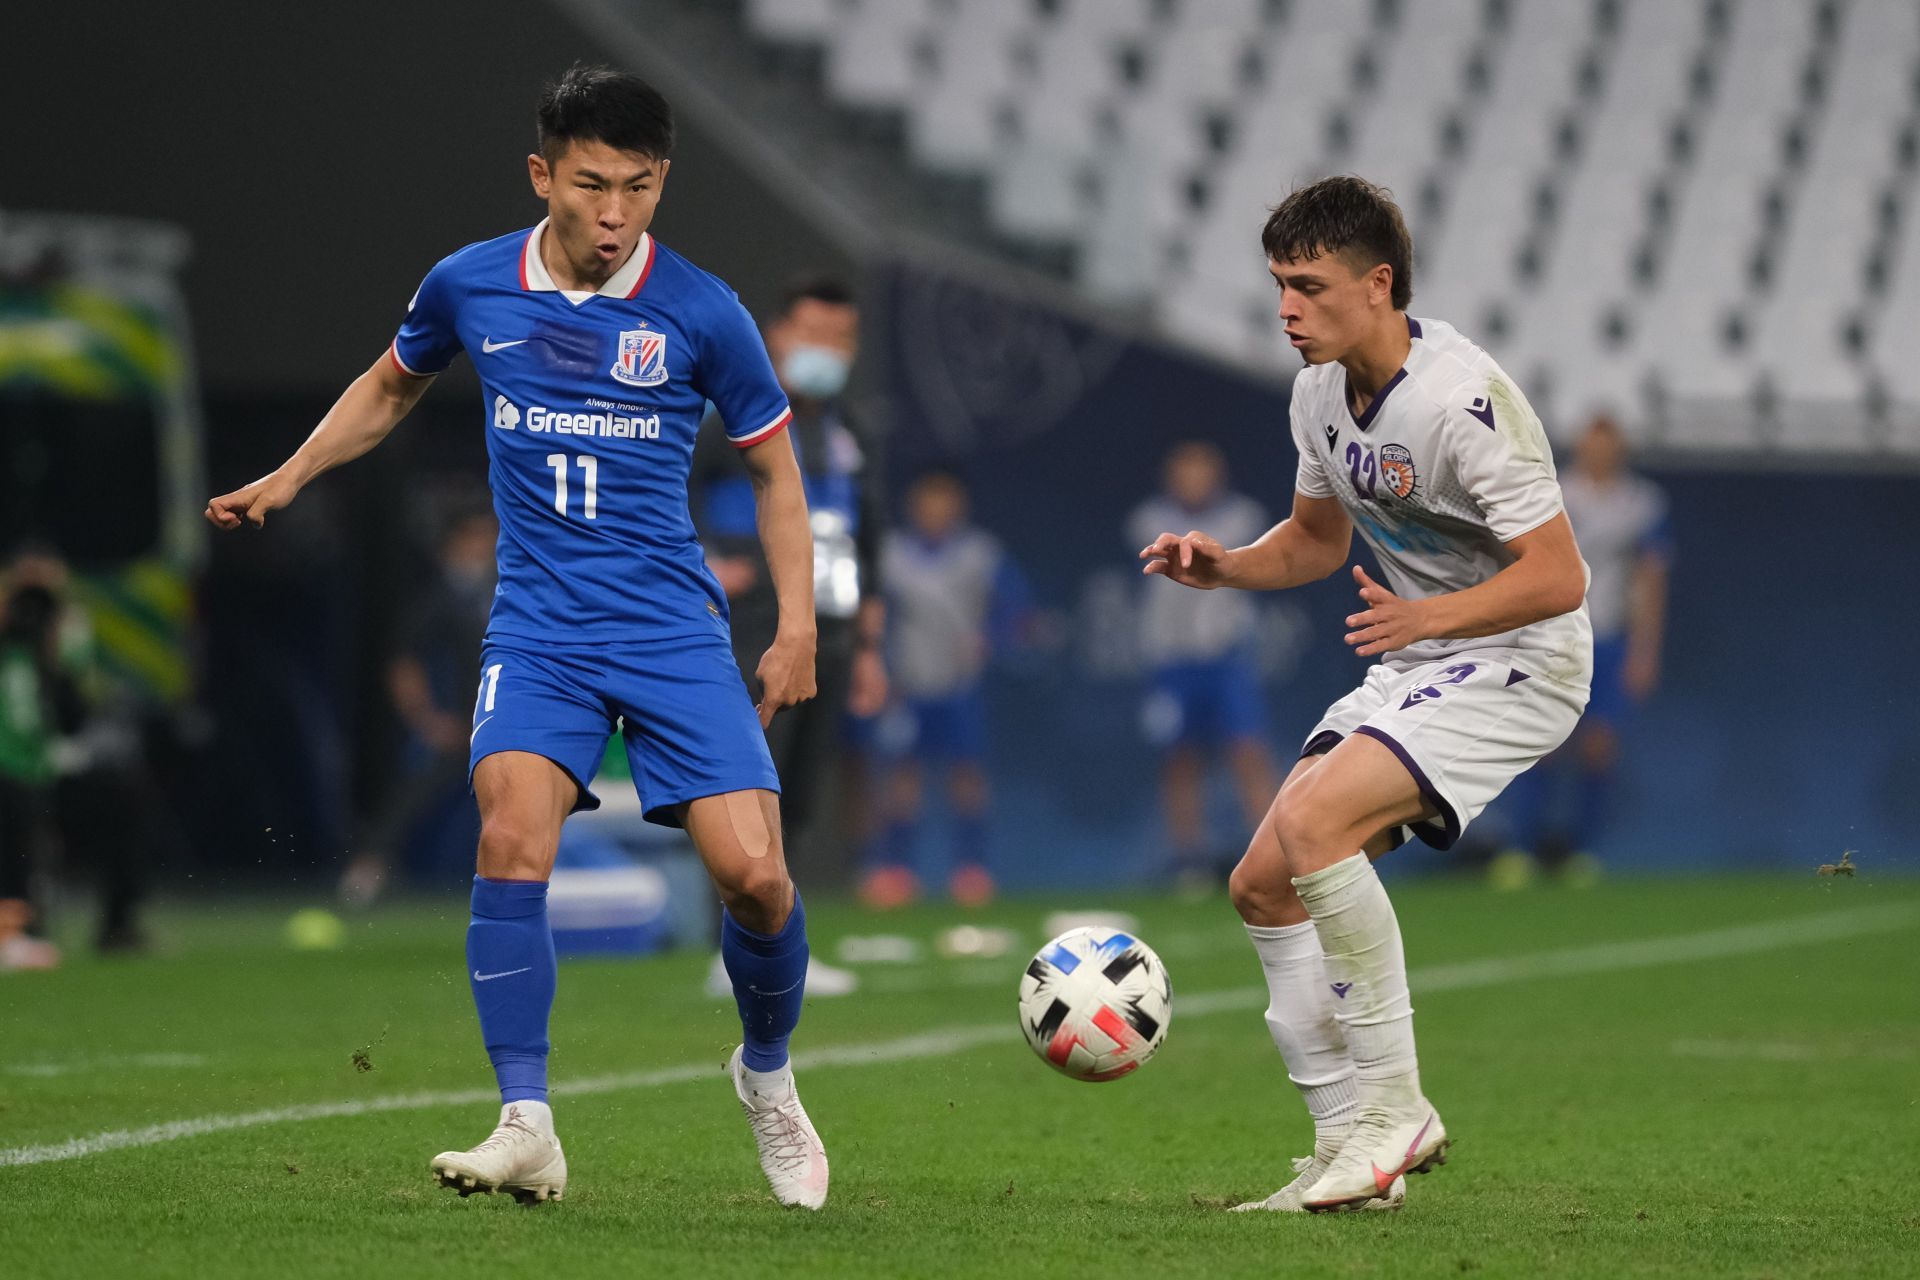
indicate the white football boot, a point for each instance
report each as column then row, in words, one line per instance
column 790, row 1152
column 1383, row 1144
column 521, row 1157
column 1310, row 1169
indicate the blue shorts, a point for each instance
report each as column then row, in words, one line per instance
column 689, row 726
column 1205, row 704
column 952, row 728
column 1609, row 703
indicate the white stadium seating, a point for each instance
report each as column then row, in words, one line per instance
column 1700, row 214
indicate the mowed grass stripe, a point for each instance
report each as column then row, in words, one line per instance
column 1612, row 957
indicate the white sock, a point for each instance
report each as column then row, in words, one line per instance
column 536, row 1115
column 1367, row 972
column 771, row 1085
column 1300, row 1016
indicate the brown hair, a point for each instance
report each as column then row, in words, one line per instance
column 1348, row 216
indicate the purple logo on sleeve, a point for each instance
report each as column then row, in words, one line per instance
column 1482, row 408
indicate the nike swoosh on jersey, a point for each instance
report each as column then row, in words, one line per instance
column 489, row 346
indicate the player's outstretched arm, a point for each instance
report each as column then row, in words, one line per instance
column 360, row 419
column 780, row 501
column 1545, row 580
column 1305, row 547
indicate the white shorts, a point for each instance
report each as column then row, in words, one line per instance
column 1465, row 727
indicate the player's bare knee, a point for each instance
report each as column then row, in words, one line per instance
column 1263, row 894
column 1246, row 891
column 1297, row 821
column 513, row 849
column 758, row 895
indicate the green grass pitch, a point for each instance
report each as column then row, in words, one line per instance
column 1686, row 1077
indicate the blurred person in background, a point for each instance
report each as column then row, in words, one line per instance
column 1205, row 691
column 430, row 685
column 951, row 590
column 813, row 341
column 72, row 777
column 1559, row 811
column 30, row 681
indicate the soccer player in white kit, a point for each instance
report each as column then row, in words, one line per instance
column 1415, row 436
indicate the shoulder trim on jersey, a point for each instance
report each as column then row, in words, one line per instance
column 393, row 351
column 767, row 432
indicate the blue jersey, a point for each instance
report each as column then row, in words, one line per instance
column 592, row 402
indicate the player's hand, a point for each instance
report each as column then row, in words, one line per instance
column 1387, row 623
column 1196, row 560
column 251, row 502
column 786, row 676
column 868, row 693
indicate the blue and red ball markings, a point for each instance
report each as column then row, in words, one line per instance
column 1127, row 1032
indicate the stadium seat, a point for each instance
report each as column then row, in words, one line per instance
column 1678, row 197
column 795, row 21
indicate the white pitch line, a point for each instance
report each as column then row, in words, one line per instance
column 1787, row 1051
column 47, row 1070
column 1609, row 957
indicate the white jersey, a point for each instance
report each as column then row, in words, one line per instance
column 1179, row 624
column 1447, row 465
column 1618, row 524
column 938, row 597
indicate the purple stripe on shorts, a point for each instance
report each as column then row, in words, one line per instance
column 1439, row 840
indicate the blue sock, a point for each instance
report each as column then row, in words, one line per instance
column 769, row 978
column 969, row 840
column 1527, row 801
column 1595, row 798
column 511, row 965
column 894, row 847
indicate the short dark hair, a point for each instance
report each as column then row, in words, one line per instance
column 1348, row 216
column 831, row 290
column 599, row 104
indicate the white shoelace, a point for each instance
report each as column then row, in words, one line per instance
column 504, row 1133
column 781, row 1133
column 1370, row 1128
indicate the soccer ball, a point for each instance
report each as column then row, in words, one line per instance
column 1095, row 1003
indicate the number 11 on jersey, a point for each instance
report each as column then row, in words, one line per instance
column 588, row 464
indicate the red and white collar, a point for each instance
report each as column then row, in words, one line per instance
column 624, row 283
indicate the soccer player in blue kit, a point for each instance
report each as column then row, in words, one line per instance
column 598, row 349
